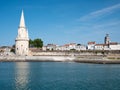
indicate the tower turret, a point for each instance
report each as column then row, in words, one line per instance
column 22, row 21
column 22, row 40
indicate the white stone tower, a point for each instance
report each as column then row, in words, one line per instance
column 22, row 40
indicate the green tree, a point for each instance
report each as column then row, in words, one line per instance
column 36, row 43
column 31, row 43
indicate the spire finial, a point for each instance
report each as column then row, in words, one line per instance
column 22, row 21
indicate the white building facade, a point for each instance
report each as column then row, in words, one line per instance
column 66, row 47
column 114, row 46
column 91, row 45
column 102, row 47
column 108, row 45
column 22, row 40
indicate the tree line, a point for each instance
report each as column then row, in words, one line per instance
column 37, row 43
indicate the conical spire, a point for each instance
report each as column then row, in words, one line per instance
column 22, row 21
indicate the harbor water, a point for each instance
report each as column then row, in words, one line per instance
column 59, row 76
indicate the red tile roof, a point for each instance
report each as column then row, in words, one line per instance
column 89, row 43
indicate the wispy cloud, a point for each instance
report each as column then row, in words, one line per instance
column 111, row 24
column 95, row 28
column 102, row 12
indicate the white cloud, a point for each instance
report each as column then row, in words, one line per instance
column 101, row 12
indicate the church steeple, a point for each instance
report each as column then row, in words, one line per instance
column 22, row 21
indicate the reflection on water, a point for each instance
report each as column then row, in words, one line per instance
column 59, row 76
column 22, row 75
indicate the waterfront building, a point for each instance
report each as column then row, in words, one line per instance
column 68, row 47
column 51, row 47
column 108, row 45
column 65, row 47
column 58, row 48
column 91, row 45
column 80, row 47
column 2, row 49
column 114, row 46
column 44, row 48
column 6, row 50
column 22, row 40
column 101, row 47
column 72, row 46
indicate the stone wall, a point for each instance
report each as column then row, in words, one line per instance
column 75, row 53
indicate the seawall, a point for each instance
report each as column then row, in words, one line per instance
column 36, row 58
column 83, row 59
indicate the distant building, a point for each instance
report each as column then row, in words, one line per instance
column 107, row 39
column 101, row 47
column 106, row 46
column 49, row 47
column 22, row 40
column 114, row 46
column 66, row 47
column 80, row 47
column 5, row 50
column 91, row 45
column 2, row 49
column 44, row 48
column 72, row 46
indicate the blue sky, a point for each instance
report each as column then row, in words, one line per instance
column 61, row 21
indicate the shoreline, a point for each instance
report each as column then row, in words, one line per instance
column 94, row 60
column 99, row 61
